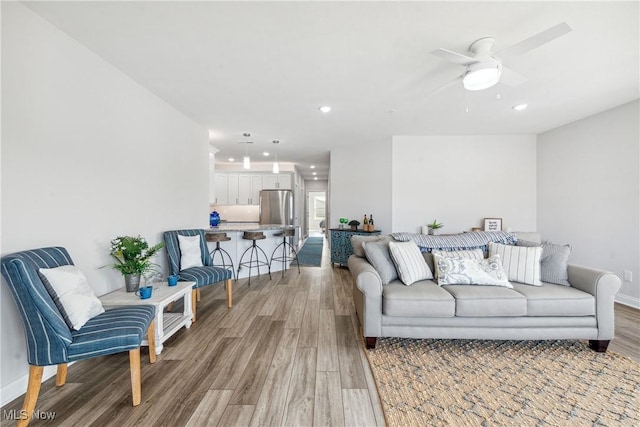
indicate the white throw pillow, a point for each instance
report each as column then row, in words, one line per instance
column 72, row 294
column 464, row 271
column 521, row 263
column 189, row 251
column 461, row 254
column 410, row 264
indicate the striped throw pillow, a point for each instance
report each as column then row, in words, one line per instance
column 521, row 263
column 410, row 264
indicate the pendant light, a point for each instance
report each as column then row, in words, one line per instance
column 276, row 166
column 246, row 161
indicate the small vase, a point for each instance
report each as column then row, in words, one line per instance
column 132, row 282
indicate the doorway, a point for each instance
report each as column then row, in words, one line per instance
column 316, row 213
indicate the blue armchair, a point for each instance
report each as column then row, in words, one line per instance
column 206, row 275
column 49, row 339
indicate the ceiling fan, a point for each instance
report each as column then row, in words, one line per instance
column 484, row 68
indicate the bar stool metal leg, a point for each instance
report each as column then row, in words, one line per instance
column 254, row 250
column 286, row 256
column 223, row 253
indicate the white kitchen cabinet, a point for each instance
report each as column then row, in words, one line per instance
column 234, row 189
column 281, row 181
column 249, row 186
column 221, row 189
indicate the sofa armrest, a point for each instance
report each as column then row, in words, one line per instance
column 603, row 285
column 367, row 295
column 366, row 276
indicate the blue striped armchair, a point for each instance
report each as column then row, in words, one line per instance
column 51, row 342
column 206, row 275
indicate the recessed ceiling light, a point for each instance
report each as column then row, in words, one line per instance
column 315, row 173
column 325, row 108
column 519, row 107
column 231, row 159
column 265, row 153
column 313, row 166
column 315, row 178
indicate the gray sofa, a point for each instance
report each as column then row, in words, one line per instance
column 583, row 310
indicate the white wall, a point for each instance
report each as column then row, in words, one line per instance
column 360, row 183
column 589, row 192
column 87, row 154
column 459, row 180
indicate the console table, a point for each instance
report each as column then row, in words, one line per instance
column 167, row 324
column 340, row 243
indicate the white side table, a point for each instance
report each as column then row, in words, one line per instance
column 167, row 324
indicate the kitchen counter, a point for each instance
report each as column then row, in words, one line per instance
column 223, row 228
column 236, row 246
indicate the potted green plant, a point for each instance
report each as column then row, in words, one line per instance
column 133, row 258
column 434, row 226
column 354, row 223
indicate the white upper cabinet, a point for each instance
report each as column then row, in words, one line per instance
column 274, row 181
column 221, row 189
column 233, row 188
column 249, row 186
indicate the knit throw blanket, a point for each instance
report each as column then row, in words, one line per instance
column 455, row 242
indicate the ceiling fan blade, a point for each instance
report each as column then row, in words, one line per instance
column 536, row 41
column 455, row 57
column 511, row 78
column 445, row 86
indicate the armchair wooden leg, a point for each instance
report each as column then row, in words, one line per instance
column 31, row 397
column 61, row 375
column 134, row 366
column 229, row 293
column 193, row 305
column 198, row 295
column 151, row 337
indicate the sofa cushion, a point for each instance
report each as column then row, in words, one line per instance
column 422, row 299
column 556, row 300
column 521, row 263
column 553, row 264
column 358, row 241
column 455, row 271
column 409, row 262
column 487, row 301
column 461, row 254
column 378, row 255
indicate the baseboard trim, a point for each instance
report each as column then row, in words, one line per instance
column 627, row 300
column 19, row 387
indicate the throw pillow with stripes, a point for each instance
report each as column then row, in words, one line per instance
column 521, row 263
column 410, row 264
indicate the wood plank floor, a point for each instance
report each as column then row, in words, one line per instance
column 287, row 354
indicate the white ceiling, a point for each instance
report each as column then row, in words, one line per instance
column 266, row 67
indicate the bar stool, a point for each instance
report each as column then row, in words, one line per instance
column 255, row 250
column 217, row 238
column 286, row 256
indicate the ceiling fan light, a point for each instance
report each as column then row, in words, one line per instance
column 481, row 76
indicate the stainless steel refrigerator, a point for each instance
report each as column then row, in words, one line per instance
column 276, row 207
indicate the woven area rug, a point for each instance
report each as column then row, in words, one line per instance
column 311, row 252
column 504, row 383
